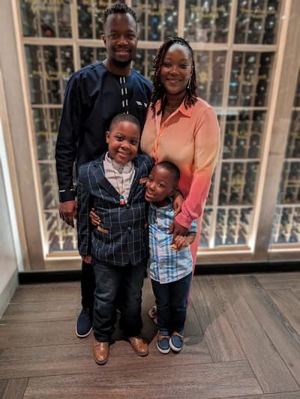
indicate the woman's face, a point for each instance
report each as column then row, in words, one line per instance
column 176, row 69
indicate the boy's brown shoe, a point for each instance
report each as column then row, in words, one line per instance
column 139, row 345
column 100, row 352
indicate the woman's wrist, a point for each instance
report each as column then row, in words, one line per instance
column 177, row 193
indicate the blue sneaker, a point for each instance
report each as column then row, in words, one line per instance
column 163, row 343
column 84, row 324
column 176, row 342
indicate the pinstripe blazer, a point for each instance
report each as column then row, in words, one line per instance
column 122, row 236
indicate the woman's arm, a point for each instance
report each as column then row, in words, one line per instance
column 177, row 202
column 206, row 151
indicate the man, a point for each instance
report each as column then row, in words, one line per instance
column 94, row 95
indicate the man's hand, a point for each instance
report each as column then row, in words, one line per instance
column 68, row 212
column 87, row 258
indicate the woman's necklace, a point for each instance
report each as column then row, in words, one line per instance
column 170, row 109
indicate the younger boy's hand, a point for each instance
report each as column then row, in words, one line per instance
column 180, row 242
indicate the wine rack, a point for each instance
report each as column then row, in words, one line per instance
column 235, row 46
column 286, row 228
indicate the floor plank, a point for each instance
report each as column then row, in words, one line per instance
column 218, row 333
column 205, row 381
column 296, row 292
column 52, row 292
column 72, row 359
column 3, row 386
column 13, row 389
column 257, row 316
column 283, row 336
column 282, row 395
column 28, row 312
column 268, row 367
column 49, row 333
column 276, row 281
column 289, row 305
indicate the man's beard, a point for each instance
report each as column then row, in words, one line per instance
column 122, row 64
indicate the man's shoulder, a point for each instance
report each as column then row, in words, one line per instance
column 137, row 76
column 91, row 69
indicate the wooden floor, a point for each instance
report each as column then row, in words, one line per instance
column 242, row 341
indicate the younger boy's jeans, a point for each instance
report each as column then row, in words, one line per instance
column 171, row 302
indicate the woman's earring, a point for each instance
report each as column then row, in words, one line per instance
column 189, row 83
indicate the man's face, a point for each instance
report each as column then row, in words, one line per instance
column 120, row 39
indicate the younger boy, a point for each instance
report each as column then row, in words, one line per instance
column 114, row 185
column 171, row 264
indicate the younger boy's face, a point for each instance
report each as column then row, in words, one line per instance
column 123, row 142
column 160, row 186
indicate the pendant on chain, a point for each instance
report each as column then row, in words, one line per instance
column 122, row 200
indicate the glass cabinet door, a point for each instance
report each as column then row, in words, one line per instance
column 236, row 46
column 286, row 224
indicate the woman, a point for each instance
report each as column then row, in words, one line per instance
column 182, row 128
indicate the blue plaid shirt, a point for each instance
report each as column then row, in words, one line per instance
column 167, row 264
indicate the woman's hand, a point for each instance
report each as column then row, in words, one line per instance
column 177, row 230
column 95, row 220
column 177, row 202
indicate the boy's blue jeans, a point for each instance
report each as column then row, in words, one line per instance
column 171, row 302
column 110, row 280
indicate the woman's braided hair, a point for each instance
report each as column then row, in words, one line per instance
column 159, row 91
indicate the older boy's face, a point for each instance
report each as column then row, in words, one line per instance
column 160, row 185
column 123, row 142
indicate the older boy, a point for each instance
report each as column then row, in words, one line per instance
column 114, row 185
